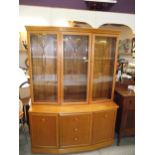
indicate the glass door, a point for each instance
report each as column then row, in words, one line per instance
column 75, row 67
column 103, row 67
column 43, row 49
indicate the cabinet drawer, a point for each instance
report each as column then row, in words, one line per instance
column 44, row 130
column 75, row 129
column 130, row 103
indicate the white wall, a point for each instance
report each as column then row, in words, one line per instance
column 45, row 16
column 125, row 32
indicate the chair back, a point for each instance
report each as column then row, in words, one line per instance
column 24, row 92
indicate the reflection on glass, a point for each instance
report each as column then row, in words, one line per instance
column 104, row 54
column 43, row 54
column 75, row 48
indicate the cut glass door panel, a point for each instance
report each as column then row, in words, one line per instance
column 75, row 67
column 104, row 58
column 44, row 68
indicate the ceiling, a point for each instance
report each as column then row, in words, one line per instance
column 122, row 6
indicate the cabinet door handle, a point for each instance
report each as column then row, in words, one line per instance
column 75, row 129
column 76, row 118
column 43, row 119
column 105, row 115
column 76, row 139
column 130, row 101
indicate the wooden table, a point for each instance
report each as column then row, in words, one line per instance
column 125, row 123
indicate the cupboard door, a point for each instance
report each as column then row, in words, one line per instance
column 128, row 121
column 103, row 126
column 130, row 102
column 103, row 67
column 75, row 67
column 44, row 130
column 75, row 130
column 44, row 66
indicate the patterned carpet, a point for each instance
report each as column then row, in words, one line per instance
column 127, row 146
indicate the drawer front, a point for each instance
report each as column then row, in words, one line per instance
column 130, row 102
column 44, row 130
column 103, row 126
column 75, row 130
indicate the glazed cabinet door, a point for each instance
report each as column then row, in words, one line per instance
column 75, row 130
column 44, row 49
column 103, row 126
column 103, row 67
column 75, row 67
column 44, row 130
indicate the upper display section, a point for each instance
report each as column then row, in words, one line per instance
column 122, row 6
column 72, row 65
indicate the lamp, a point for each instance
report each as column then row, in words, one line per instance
column 100, row 4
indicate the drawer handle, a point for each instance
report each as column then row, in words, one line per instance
column 75, row 129
column 130, row 101
column 76, row 139
column 43, row 119
column 76, row 119
column 105, row 116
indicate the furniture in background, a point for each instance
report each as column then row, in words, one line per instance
column 72, row 79
column 21, row 120
column 125, row 98
column 24, row 95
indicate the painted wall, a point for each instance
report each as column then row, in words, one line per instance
column 31, row 15
column 126, row 34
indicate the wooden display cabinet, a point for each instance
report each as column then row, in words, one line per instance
column 72, row 78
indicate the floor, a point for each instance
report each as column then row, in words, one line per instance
column 127, row 147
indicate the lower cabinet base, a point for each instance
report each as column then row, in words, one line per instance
column 73, row 149
column 80, row 128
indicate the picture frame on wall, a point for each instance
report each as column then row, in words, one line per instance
column 133, row 46
column 125, row 46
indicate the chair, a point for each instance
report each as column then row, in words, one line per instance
column 24, row 96
column 21, row 121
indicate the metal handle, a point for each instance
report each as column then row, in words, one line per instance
column 43, row 119
column 105, row 116
column 75, row 129
column 75, row 138
column 76, row 118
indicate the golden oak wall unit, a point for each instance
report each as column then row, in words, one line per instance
column 72, row 80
